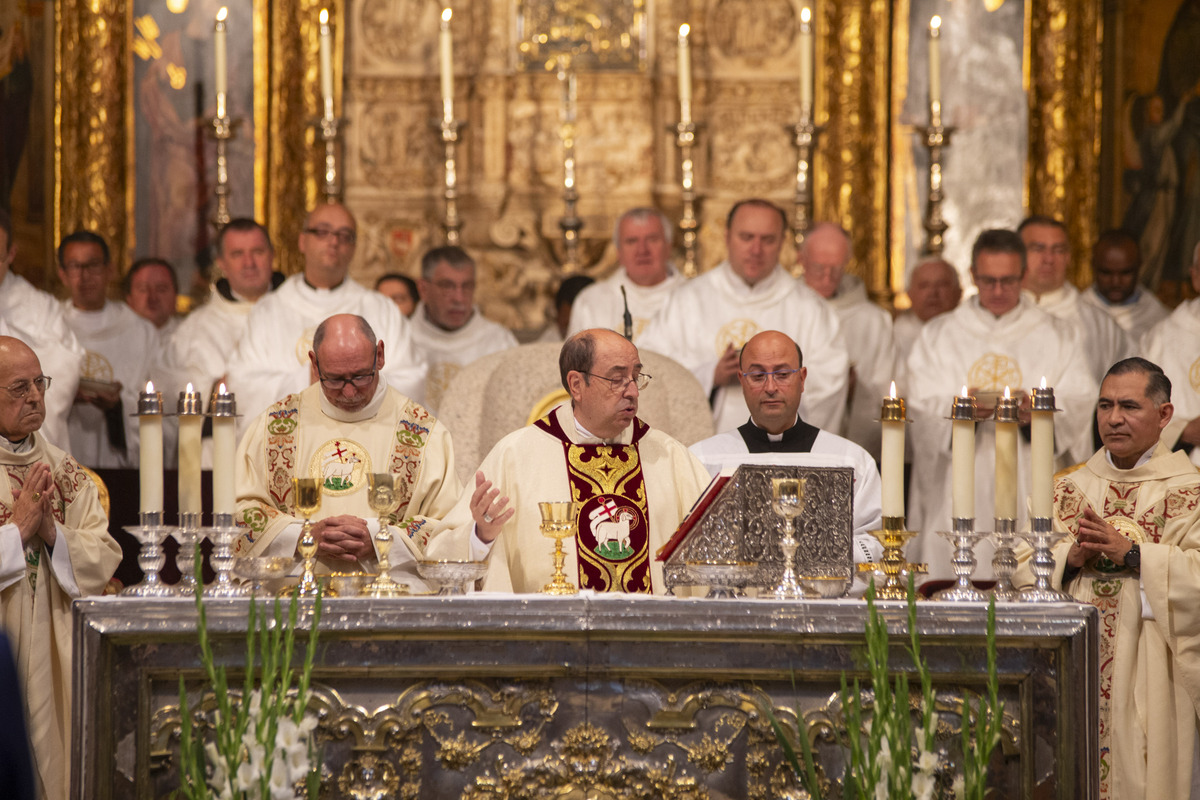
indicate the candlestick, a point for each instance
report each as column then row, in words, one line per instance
column 892, row 418
column 1041, row 447
column 326, row 63
column 962, row 449
column 806, row 63
column 935, row 71
column 150, row 438
column 689, row 224
column 223, row 410
column 219, row 60
column 190, row 407
column 446, row 62
column 570, row 223
column 1007, row 417
column 685, row 75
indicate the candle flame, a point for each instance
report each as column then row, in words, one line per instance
column 1007, row 395
column 892, row 391
column 447, row 13
column 684, row 30
column 190, row 389
column 324, row 16
column 221, row 388
column 964, row 391
column 935, row 23
column 1043, row 382
column 149, row 387
column 222, row 14
column 806, row 15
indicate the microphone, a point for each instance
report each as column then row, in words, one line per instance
column 628, row 316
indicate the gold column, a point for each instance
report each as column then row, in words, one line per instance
column 1063, row 73
column 92, row 143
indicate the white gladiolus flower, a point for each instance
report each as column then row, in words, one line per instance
column 959, row 787
column 928, row 761
column 923, row 786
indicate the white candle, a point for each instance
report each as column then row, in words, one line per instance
column 962, row 450
column 935, row 69
column 326, row 63
column 892, row 460
column 685, row 75
column 806, row 62
column 1006, row 464
column 220, row 63
column 224, row 496
column 1041, row 446
column 150, row 452
column 191, row 420
column 446, row 61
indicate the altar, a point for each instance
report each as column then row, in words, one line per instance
column 501, row 696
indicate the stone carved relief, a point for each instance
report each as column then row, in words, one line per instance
column 398, row 32
column 753, row 30
column 598, row 34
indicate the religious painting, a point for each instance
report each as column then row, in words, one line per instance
column 174, row 101
column 1153, row 146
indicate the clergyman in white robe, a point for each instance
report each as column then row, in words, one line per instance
column 1174, row 344
column 446, row 352
column 601, row 305
column 1137, row 315
column 1104, row 342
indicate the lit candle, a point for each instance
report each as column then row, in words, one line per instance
column 191, row 419
column 892, row 462
column 446, row 60
column 1041, row 447
column 223, row 412
column 326, row 63
column 1006, row 456
column 806, row 62
column 962, row 449
column 219, row 61
column 150, row 454
column 685, row 75
column 935, row 70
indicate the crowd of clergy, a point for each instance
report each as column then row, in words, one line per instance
column 330, row 375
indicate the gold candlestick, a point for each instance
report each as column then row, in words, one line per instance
column 937, row 137
column 805, row 135
column 223, row 129
column 893, row 564
column 383, row 496
column 558, row 522
column 689, row 226
column 570, row 224
column 451, row 221
column 329, row 130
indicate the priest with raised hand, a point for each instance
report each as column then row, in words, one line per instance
column 634, row 484
column 54, row 547
column 772, row 378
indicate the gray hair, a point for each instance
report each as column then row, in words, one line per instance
column 641, row 214
column 576, row 355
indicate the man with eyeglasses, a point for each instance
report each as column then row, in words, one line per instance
column 121, row 349
column 348, row 424
column 998, row 339
column 772, row 378
column 448, row 329
column 1048, row 251
column 634, row 484
column 54, row 547
column 36, row 318
column 272, row 357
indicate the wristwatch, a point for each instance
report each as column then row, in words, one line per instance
column 1133, row 559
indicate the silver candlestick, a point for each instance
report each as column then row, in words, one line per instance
column 1042, row 538
column 329, row 131
column 188, row 537
column 937, row 138
column 451, row 222
column 223, row 129
column 964, row 537
column 805, row 135
column 223, row 532
column 1004, row 561
column 150, row 534
column 689, row 226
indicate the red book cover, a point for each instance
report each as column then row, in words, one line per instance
column 698, row 509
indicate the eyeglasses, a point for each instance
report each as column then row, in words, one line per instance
column 782, row 377
column 984, row 282
column 359, row 381
column 1054, row 250
column 344, row 235
column 620, row 384
column 20, row 389
column 95, row 265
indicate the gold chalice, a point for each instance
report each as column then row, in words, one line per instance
column 558, row 522
column 306, row 494
column 787, row 500
column 383, row 496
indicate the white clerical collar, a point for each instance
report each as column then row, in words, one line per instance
column 23, row 446
column 366, row 412
column 1146, row 456
column 774, row 437
column 586, row 434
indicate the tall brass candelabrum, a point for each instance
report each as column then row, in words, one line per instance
column 329, row 131
column 805, row 135
column 451, row 222
column 223, row 129
column 570, row 224
column 937, row 137
column 689, row 226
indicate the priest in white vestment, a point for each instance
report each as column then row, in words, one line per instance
column 121, row 349
column 1174, row 344
column 642, row 282
column 1133, row 512
column 866, row 328
column 634, row 484
column 448, row 330
column 36, row 318
column 707, row 320
column 1117, row 265
column 772, row 381
column 54, row 547
column 272, row 357
column 151, row 290
column 347, row 425
column 1048, row 252
column 994, row 340
column 933, row 288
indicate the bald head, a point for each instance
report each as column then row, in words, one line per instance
column 934, row 288
column 22, row 402
column 346, row 359
column 825, row 254
column 772, row 378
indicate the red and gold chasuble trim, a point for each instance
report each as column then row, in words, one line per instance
column 612, row 544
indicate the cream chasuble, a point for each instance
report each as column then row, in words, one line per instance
column 601, row 305
column 529, row 466
column 304, row 436
column 1104, row 342
column 272, row 357
column 971, row 346
column 1174, row 344
column 1149, row 654
column 36, row 590
column 707, row 314
column 446, row 352
column 1136, row 315
column 203, row 344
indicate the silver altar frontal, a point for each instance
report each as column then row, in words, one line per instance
column 501, row 696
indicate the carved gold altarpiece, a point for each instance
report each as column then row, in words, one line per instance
column 509, row 171
column 492, row 697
